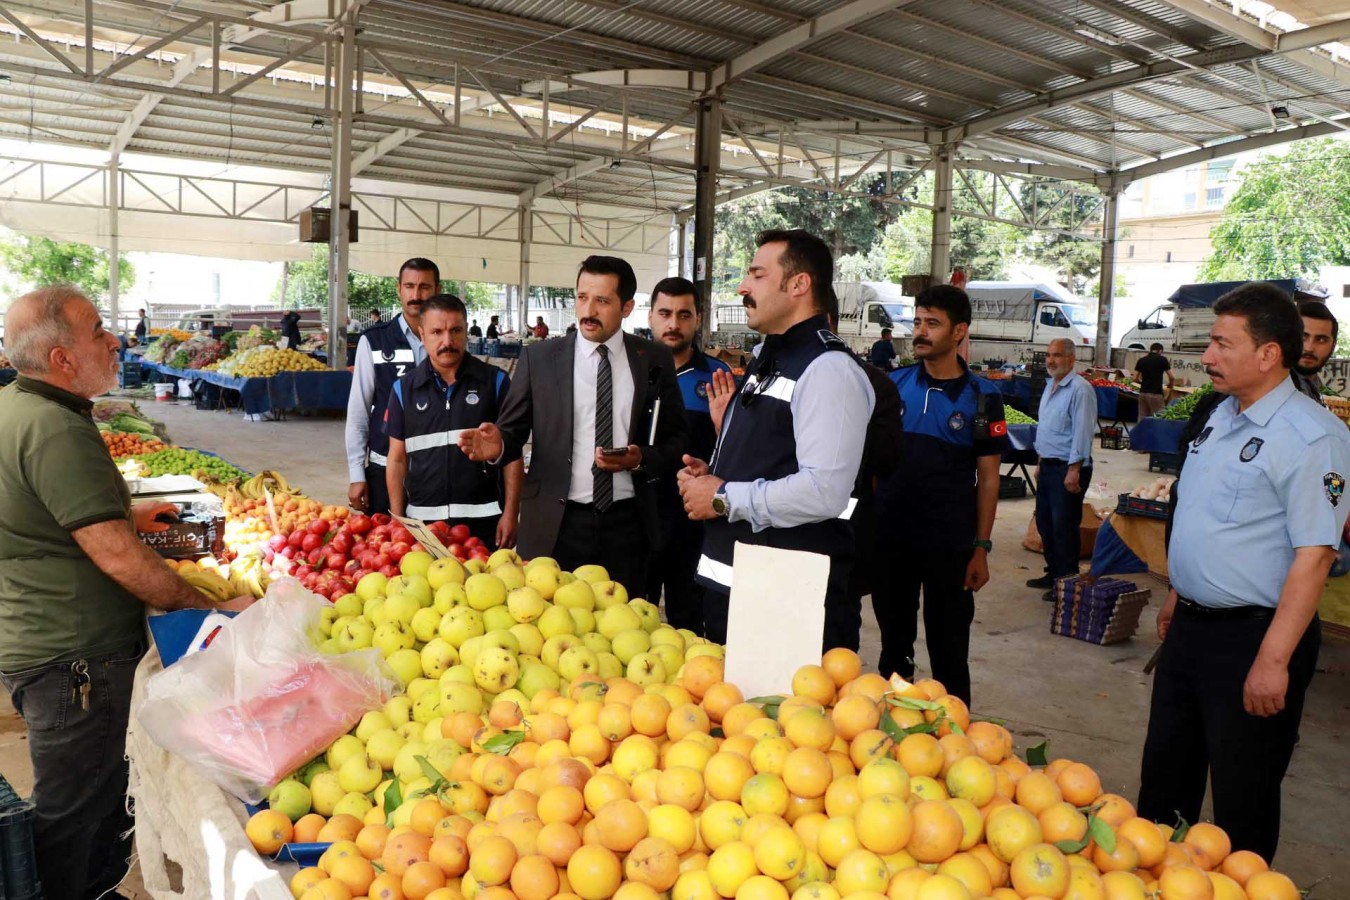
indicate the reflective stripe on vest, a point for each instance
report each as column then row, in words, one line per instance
column 454, row 511
column 379, row 459
column 401, row 355
column 715, row 571
column 848, row 510
column 779, row 388
column 432, row 441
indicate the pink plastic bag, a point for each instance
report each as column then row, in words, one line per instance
column 261, row 700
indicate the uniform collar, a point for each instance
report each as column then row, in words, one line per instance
column 74, row 402
column 953, row 386
column 407, row 330
column 699, row 360
column 424, row 374
column 1260, row 412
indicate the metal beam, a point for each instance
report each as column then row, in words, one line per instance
column 1106, row 292
column 940, row 260
column 553, row 182
column 114, row 243
column 707, row 147
column 340, row 196
column 1297, row 44
column 397, row 138
column 1218, row 151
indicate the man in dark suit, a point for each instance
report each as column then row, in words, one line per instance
column 589, row 399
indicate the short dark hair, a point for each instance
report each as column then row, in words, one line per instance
column 1155, row 348
column 1316, row 309
column 375, row 313
column 1272, row 317
column 494, row 318
column 947, row 297
column 446, row 303
column 676, row 286
column 420, row 264
column 612, row 265
column 806, row 253
column 885, row 331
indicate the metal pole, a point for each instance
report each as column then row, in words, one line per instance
column 526, row 213
column 1106, row 293
column 682, row 247
column 708, row 144
column 340, row 199
column 941, row 257
column 114, row 262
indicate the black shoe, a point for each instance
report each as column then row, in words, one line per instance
column 1048, row 596
column 1045, row 581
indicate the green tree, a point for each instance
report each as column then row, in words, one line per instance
column 1289, row 216
column 1077, row 262
column 39, row 261
column 306, row 285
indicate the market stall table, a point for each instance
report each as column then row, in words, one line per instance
column 1021, row 452
column 1118, row 405
column 283, row 391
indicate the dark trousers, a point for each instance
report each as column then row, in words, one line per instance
column 80, row 771
column 614, row 539
column 948, row 609
column 1058, row 517
column 843, row 617
column 1197, row 728
column 377, row 490
column 670, row 571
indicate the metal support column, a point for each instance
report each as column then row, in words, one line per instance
column 1106, row 293
column 340, row 196
column 941, row 256
column 708, row 146
column 681, row 247
column 526, row 214
column 114, row 243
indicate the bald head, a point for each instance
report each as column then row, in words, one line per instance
column 39, row 322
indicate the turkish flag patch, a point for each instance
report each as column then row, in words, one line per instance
column 998, row 429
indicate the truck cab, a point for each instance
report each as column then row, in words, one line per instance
column 1028, row 312
column 1154, row 328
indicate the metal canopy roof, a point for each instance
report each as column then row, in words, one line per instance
column 594, row 101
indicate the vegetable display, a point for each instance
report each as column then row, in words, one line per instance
column 1182, row 409
column 1016, row 417
column 175, row 461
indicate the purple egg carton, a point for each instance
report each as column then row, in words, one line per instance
column 1099, row 611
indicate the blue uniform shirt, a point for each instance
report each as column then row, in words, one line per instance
column 1068, row 418
column 694, row 378
column 1257, row 485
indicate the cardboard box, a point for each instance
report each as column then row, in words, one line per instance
column 200, row 531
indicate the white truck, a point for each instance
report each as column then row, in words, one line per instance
column 865, row 309
column 1182, row 323
column 1011, row 320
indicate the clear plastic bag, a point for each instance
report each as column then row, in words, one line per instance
column 261, row 700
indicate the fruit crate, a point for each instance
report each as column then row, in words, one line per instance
column 1138, row 506
column 130, row 375
column 1010, row 487
column 1097, row 610
column 18, row 861
column 303, row 854
column 1166, row 463
column 1115, row 438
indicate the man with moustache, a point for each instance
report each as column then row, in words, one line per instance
column 936, row 510
column 603, row 411
column 675, row 318
column 385, row 352
column 1320, row 332
column 75, row 583
column 792, row 438
column 429, row 477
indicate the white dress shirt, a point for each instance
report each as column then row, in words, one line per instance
column 357, row 430
column 586, row 371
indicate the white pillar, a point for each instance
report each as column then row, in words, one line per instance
column 114, row 243
column 526, row 214
column 340, row 197
column 1106, row 292
column 708, row 145
column 941, row 257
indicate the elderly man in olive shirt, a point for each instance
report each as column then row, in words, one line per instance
column 74, row 585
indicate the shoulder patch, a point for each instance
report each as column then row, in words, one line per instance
column 1334, row 484
column 831, row 340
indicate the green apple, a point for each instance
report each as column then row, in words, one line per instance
column 458, row 672
column 406, row 767
column 515, row 696
column 417, row 562
column 400, row 608
column 503, row 639
column 530, row 638
column 449, row 595
column 716, row 650
column 565, row 578
column 645, row 669
column 485, row 591
column 442, row 753
column 437, row 657
column 577, row 661
column 343, row 749
column 667, row 635
column 391, row 636
column 291, row 797
column 542, row 579
column 535, row 677
column 556, row 620
column 498, row 618
column 360, row 774
column 503, row 557
column 526, row 604
column 468, row 651
column 648, row 612
column 354, row 804
column 593, row 574
column 617, row 619
column 420, row 686
column 330, row 647
column 628, row 644
column 445, row 571
column 349, row 605
column 406, row 663
column 597, row 643
column 424, row 623
column 460, row 624
column 511, row 576
column 474, row 567
column 456, row 696
column 670, row 656
column 609, row 594
column 577, row 595
column 310, row 769
column 325, row 792
column 583, row 619
column 371, row 585
column 415, row 586
column 432, row 730
column 354, row 634
column 610, row 667
column 555, row 646
column 378, row 793
column 689, row 637
column 411, row 730
column 383, row 746
column 495, row 669
column 524, row 658
column 427, row 707
column 327, row 616
column 373, row 612
column 398, row 710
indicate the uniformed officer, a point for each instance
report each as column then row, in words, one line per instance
column 936, row 510
column 792, row 437
column 1259, row 514
column 386, row 351
column 675, row 318
column 448, row 392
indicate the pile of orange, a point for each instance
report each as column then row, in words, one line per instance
column 688, row 792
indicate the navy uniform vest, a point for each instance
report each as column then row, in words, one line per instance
column 392, row 357
column 757, row 442
column 442, row 483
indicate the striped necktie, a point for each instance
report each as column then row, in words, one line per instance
column 603, row 490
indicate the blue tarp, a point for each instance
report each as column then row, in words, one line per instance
column 1156, row 435
column 285, row 391
column 1110, row 555
column 8, row 375
column 1202, row 296
column 1115, row 404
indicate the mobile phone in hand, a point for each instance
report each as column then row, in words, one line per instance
column 613, row 451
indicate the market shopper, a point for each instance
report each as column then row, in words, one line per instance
column 142, row 327
column 290, row 330
column 1320, row 333
column 675, row 319
column 1068, row 417
column 493, row 329
column 1150, row 370
column 540, row 329
column 429, row 477
column 883, row 354
column 474, row 330
column 588, row 403
column 936, row 510
column 384, row 354
column 1259, row 515
column 792, row 439
column 74, row 586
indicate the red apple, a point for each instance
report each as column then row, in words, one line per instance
column 336, row 561
column 389, row 571
column 318, row 526
column 360, row 524
column 399, row 550
column 460, row 533
column 381, row 518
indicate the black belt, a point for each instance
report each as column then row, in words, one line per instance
column 616, row 506
column 1225, row 612
column 1053, row 461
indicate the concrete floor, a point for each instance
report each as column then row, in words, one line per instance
column 1089, row 702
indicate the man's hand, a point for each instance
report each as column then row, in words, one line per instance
column 693, row 468
column 143, row 514
column 720, row 391
column 482, row 444
column 630, row 460
column 1165, row 614
column 1263, row 693
column 977, row 570
column 506, row 528
column 1071, row 481
column 697, row 493
column 238, row 604
column 358, row 495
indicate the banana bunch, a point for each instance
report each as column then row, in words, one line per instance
column 209, row 582
column 273, row 481
column 248, row 576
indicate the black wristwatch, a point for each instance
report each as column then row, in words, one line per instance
column 719, row 502
column 987, row 546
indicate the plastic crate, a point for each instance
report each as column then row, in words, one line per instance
column 1138, row 506
column 1097, row 610
column 1010, row 487
column 1115, row 438
column 18, row 860
column 1166, row 463
column 130, row 376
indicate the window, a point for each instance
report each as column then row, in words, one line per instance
column 1169, row 255
column 876, row 315
column 1219, row 171
column 1213, row 197
column 1049, row 314
column 1188, row 200
column 1129, row 252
